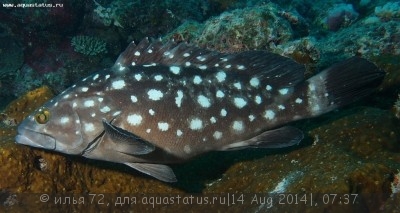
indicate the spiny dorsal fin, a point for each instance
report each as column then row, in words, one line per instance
column 271, row 69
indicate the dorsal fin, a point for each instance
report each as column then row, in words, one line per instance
column 274, row 69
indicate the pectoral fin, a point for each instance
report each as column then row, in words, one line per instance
column 161, row 172
column 277, row 138
column 127, row 142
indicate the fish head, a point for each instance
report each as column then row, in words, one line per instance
column 50, row 127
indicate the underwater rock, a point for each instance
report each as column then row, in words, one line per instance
column 245, row 29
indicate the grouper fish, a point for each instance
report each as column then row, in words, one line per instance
column 164, row 103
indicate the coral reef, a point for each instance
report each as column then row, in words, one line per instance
column 11, row 56
column 391, row 10
column 242, row 29
column 113, row 14
column 11, row 59
column 395, row 185
column 88, row 45
column 20, row 108
column 341, row 15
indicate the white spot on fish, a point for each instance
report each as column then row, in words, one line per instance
column 137, row 53
column 196, row 124
column 134, row 119
column 100, row 99
column 133, row 63
column 118, row 84
column 254, row 82
column 186, row 55
column 268, row 88
column 315, row 108
column 155, row 95
column 213, row 120
column 88, row 103
column 84, row 89
column 284, row 91
column 138, row 77
column 66, row 96
column 223, row 112
column 200, row 58
column 150, row 51
column 151, row 112
column 171, row 56
column 241, row 67
column 238, row 85
column 258, row 99
column 311, row 87
column 197, row 79
column 251, row 118
column 174, row 69
column 163, row 126
column 187, row 149
column 167, row 53
column 88, row 127
column 74, row 104
column 269, row 114
column 64, row 120
column 149, row 65
column 281, row 107
column 187, row 63
column 228, row 66
column 220, row 94
column 203, row 101
column 203, row 67
column 298, row 101
column 116, row 113
column 240, row 102
column 178, row 98
column 107, row 77
column 93, row 115
column 148, row 130
column 179, row 132
column 95, row 77
column 158, row 77
column 221, row 76
column 238, row 126
column 134, row 99
column 217, row 135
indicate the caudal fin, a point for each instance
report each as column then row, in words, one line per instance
column 341, row 84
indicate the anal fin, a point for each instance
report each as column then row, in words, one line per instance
column 159, row 171
column 277, row 138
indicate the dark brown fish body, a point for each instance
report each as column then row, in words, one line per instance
column 168, row 103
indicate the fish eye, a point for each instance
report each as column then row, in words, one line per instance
column 43, row 116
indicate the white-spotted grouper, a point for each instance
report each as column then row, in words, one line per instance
column 167, row 103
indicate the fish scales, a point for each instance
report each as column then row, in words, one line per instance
column 166, row 103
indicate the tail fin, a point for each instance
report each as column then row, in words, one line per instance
column 342, row 84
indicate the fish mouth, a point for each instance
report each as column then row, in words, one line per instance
column 35, row 139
